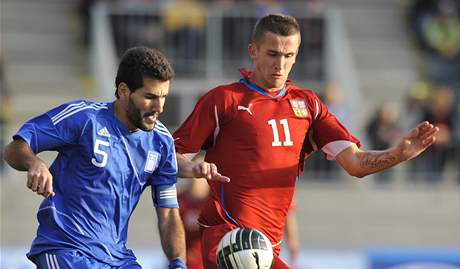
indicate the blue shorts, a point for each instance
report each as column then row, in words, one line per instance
column 70, row 259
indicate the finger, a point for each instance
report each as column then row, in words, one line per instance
column 30, row 180
column 220, row 178
column 429, row 141
column 49, row 188
column 43, row 184
column 423, row 125
column 413, row 133
column 35, row 183
column 204, row 169
column 429, row 133
column 213, row 169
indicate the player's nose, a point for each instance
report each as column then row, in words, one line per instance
column 158, row 104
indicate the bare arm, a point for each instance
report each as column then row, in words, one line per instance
column 198, row 169
column 361, row 163
column 19, row 156
column 171, row 232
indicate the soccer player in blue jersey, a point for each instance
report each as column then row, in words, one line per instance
column 108, row 153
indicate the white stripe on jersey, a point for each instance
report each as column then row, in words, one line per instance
column 167, row 197
column 77, row 109
column 159, row 127
column 47, row 260
column 216, row 131
column 55, row 261
column 167, row 194
column 317, row 109
column 69, row 107
column 162, row 132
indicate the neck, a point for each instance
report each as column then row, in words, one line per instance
column 254, row 79
column 120, row 114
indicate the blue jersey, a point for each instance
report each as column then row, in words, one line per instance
column 98, row 176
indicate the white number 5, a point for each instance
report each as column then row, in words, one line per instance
column 99, row 151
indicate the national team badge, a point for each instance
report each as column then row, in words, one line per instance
column 152, row 159
column 299, row 107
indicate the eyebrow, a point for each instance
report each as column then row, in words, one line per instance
column 155, row 95
column 279, row 52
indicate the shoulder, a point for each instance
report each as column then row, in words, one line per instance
column 78, row 109
column 304, row 93
column 163, row 132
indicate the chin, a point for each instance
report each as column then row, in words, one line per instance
column 147, row 127
column 278, row 83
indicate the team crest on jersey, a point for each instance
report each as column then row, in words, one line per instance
column 151, row 163
column 299, row 107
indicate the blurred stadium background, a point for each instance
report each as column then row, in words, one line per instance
column 380, row 65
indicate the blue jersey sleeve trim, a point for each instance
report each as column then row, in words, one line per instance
column 165, row 196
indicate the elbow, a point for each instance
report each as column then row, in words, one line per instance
column 356, row 173
column 7, row 154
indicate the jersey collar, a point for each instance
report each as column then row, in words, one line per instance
column 245, row 81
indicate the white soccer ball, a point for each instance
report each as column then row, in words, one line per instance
column 244, row 248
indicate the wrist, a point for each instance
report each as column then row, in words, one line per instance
column 177, row 263
column 397, row 152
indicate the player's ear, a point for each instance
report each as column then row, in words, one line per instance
column 123, row 90
column 252, row 49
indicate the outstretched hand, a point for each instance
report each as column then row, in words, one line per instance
column 208, row 171
column 417, row 140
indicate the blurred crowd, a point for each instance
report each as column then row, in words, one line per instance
column 435, row 25
column 435, row 28
column 436, row 103
column 179, row 29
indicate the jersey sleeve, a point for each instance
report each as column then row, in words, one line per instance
column 164, row 193
column 166, row 173
column 202, row 126
column 51, row 130
column 328, row 133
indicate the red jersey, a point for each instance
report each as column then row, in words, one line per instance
column 259, row 141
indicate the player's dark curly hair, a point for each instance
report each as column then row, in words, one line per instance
column 140, row 62
column 279, row 24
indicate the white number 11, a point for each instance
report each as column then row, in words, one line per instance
column 276, row 138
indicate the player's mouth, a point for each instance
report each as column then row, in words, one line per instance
column 151, row 118
column 277, row 76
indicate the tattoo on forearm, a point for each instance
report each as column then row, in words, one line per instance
column 378, row 160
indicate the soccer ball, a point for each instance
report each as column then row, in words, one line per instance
column 244, row 248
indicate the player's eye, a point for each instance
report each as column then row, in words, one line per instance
column 151, row 97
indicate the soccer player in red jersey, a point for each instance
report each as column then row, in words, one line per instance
column 258, row 131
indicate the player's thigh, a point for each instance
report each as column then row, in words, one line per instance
column 210, row 237
column 66, row 259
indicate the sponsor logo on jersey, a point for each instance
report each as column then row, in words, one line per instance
column 104, row 132
column 244, row 108
column 151, row 163
column 299, row 107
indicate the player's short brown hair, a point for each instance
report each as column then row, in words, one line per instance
column 138, row 63
column 279, row 24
